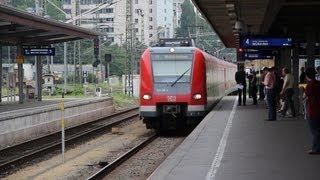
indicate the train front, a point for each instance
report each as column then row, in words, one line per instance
column 172, row 87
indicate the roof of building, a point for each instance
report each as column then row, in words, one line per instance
column 22, row 28
column 278, row 18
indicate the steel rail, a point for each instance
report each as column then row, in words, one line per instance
column 117, row 162
column 92, row 128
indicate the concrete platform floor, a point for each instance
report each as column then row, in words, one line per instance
column 237, row 144
column 12, row 106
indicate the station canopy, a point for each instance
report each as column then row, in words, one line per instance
column 21, row 28
column 285, row 18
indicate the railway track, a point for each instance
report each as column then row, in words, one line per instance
column 16, row 156
column 117, row 162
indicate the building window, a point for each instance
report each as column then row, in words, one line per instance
column 110, row 39
column 109, row 10
column 150, row 10
column 136, row 21
column 68, row 11
column 165, row 18
column 150, row 2
column 109, row 19
column 165, row 10
column 150, row 27
column 150, row 35
column 67, row 2
column 136, row 2
column 136, row 30
column 150, row 19
column 108, row 29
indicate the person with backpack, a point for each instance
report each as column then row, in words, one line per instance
column 312, row 96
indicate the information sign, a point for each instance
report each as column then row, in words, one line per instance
column 39, row 51
column 257, row 56
column 251, row 42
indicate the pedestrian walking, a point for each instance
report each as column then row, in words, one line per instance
column 312, row 96
column 240, row 78
column 269, row 83
column 287, row 92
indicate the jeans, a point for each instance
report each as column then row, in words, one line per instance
column 288, row 102
column 314, row 125
column 242, row 92
column 272, row 104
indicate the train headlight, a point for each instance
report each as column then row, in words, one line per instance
column 146, row 97
column 197, row 96
column 172, row 50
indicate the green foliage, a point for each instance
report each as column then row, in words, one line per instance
column 50, row 10
column 188, row 19
column 91, row 78
column 57, row 91
column 122, row 100
column 76, row 91
column 194, row 25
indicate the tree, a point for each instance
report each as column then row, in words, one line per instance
column 193, row 25
column 188, row 19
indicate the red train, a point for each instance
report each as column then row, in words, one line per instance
column 179, row 84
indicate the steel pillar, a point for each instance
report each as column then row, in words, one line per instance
column 295, row 73
column 1, row 73
column 39, row 77
column 311, row 37
column 20, row 76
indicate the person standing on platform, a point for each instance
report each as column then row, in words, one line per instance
column 253, row 87
column 302, row 78
column 312, row 96
column 287, row 92
column 261, row 85
column 269, row 82
column 240, row 78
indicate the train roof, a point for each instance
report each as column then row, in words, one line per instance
column 166, row 50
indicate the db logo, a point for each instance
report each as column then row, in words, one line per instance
column 171, row 98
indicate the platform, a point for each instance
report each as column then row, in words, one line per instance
column 24, row 122
column 236, row 143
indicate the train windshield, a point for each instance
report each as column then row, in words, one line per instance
column 168, row 67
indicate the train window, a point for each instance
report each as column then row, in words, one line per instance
column 168, row 67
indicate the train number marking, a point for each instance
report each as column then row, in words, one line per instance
column 171, row 98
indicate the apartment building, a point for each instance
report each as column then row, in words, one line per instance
column 152, row 19
column 111, row 19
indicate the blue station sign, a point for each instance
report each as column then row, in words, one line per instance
column 39, row 51
column 257, row 55
column 252, row 42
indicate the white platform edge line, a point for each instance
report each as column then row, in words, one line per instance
column 211, row 175
column 191, row 138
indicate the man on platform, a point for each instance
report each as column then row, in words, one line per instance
column 312, row 96
column 269, row 82
column 240, row 78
